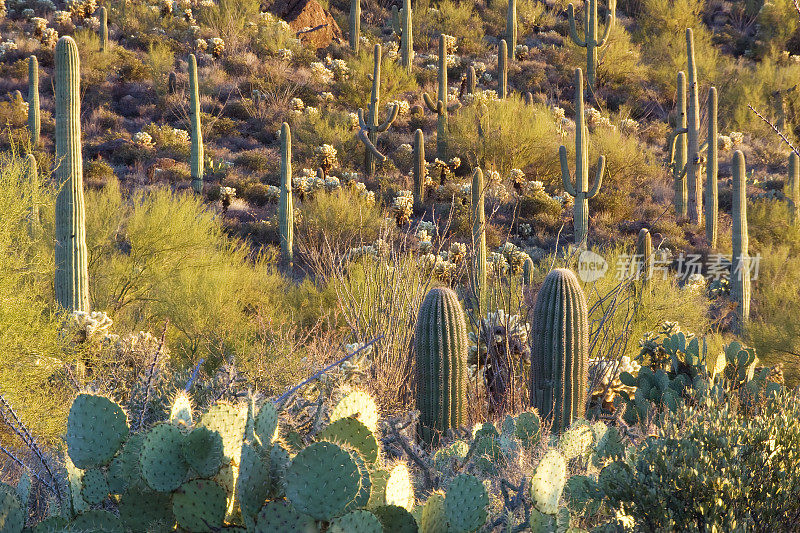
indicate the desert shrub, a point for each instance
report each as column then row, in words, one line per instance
column 95, row 66
column 777, row 22
column 337, row 220
column 311, row 131
column 160, row 61
column 451, row 17
column 232, row 21
column 354, row 91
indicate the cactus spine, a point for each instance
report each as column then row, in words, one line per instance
column 511, row 28
column 712, row 194
column 103, row 29
column 581, row 190
column 560, row 349
column 693, row 173
column 644, row 252
column 197, row 134
column 590, row 40
column 502, row 69
column 740, row 262
column 441, row 356
column 285, row 208
column 368, row 134
column 34, row 116
column 440, row 107
column 794, row 185
column 401, row 23
column 71, row 278
column 355, row 24
column 479, row 238
column 419, row 168
column 677, row 151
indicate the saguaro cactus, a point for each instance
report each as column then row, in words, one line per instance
column 419, row 168
column 478, row 238
column 355, row 24
column 581, row 190
column 677, row 151
column 590, row 40
column 560, row 349
column 103, row 29
column 693, row 174
column 401, row 23
column 197, row 133
column 71, row 278
column 368, row 134
column 712, row 169
column 471, row 83
column 440, row 343
column 285, row 207
column 502, row 69
column 644, row 253
column 740, row 262
column 34, row 116
column 794, row 185
column 440, row 107
column 511, row 28
column 33, row 182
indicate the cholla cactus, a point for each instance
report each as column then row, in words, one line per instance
column 216, row 46
column 403, row 107
column 605, row 375
column 201, row 45
column 49, row 38
column 145, row 140
column 326, row 155
column 737, row 137
column 90, row 325
column 514, row 256
column 457, row 252
column 321, row 72
column 724, row 142
column 62, row 18
column 226, row 196
column 39, row 25
column 284, row 54
column 629, row 126
column 402, row 207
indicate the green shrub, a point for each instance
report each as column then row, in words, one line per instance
column 451, row 17
column 354, row 90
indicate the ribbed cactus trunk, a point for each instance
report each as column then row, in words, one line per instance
column 32, row 175
column 581, row 190
column 34, row 113
column 712, row 169
column 694, row 177
column 197, row 133
column 103, row 29
column 471, row 83
column 372, row 112
column 591, row 41
column 72, row 277
column 678, row 151
column 794, row 185
column 440, row 105
column 440, row 343
column 644, row 254
column 560, row 350
column 285, row 207
column 511, row 28
column 419, row 168
column 527, row 271
column 406, row 37
column 502, row 69
column 740, row 262
column 355, row 25
column 478, row 240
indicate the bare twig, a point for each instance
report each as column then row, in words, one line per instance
column 773, row 126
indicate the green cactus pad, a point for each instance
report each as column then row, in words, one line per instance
column 130, row 468
column 434, row 515
column 116, row 476
column 203, row 451
column 322, row 479
column 583, row 495
column 266, row 426
column 96, row 428
column 199, row 505
column 446, row 459
column 230, row 421
column 279, row 461
column 253, row 483
column 24, row 489
column 142, row 511
column 163, row 466
column 395, row 519
column 609, row 446
column 280, row 516
column 365, row 490
column 12, row 515
column 352, row 433
column 360, row 405
column 54, row 524
column 94, row 486
column 542, row 523
column 180, row 413
column 96, row 521
column 577, row 440
column 465, row 503
column 528, row 427
column 377, row 495
column 399, row 490
column 74, row 477
column 548, row 482
column 356, row 522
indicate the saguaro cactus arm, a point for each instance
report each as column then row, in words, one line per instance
column 437, row 107
column 363, row 136
column 573, row 28
column 565, row 175
column 609, row 24
column 598, row 180
column 393, row 111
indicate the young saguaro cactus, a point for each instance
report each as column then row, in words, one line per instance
column 479, row 238
column 103, row 29
column 712, row 170
column 440, row 343
column 560, row 349
column 368, row 132
column 511, row 28
column 34, row 115
column 419, row 168
column 355, row 25
column 471, row 83
column 502, row 69
column 677, row 151
column 740, row 262
column 285, row 207
column 33, row 182
column 401, row 23
column 794, row 185
column 441, row 107
column 581, row 190
column 197, row 133
column 644, row 252
column 72, row 276
column 591, row 41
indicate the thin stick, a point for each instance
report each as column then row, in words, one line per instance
column 773, row 126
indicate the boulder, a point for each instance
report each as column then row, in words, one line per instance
column 312, row 24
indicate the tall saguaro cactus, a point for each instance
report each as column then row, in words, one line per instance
column 355, row 25
column 560, row 349
column 740, row 262
column 712, row 169
column 441, row 107
column 677, row 152
column 72, row 277
column 34, row 114
column 502, row 69
column 197, row 133
column 693, row 174
column 794, row 185
column 401, row 23
column 285, row 206
column 440, row 343
column 644, row 251
column 419, row 168
column 591, row 41
column 103, row 29
column 478, row 238
column 32, row 176
column 581, row 190
column 368, row 134
column 511, row 28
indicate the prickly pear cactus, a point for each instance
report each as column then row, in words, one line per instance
column 434, row 515
column 360, row 405
column 465, row 504
column 180, row 412
column 203, row 451
column 399, row 490
column 356, row 522
column 395, row 518
column 548, row 481
column 96, row 428
column 279, row 516
column 352, row 433
column 94, row 487
column 163, row 465
column 199, row 505
column 12, row 515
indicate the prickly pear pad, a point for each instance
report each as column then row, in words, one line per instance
column 203, row 451
column 351, row 432
column 199, row 505
column 465, row 503
column 360, row 405
column 12, row 517
column 278, row 517
column 163, row 466
column 548, row 482
column 96, row 428
column 356, row 522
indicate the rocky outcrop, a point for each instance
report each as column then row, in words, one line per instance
column 313, row 24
